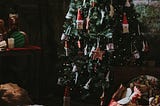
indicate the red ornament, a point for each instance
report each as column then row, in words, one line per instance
column 79, row 19
column 66, row 44
column 66, row 91
column 98, row 54
column 125, row 21
column 66, row 98
column 125, row 24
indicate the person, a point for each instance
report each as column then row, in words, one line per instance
column 13, row 95
column 3, row 31
column 20, row 37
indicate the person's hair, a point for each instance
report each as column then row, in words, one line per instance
column 13, row 95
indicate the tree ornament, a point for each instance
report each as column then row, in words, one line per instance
column 102, row 98
column 63, row 36
column 111, row 12
column 107, row 76
column 69, row 14
column 66, row 47
column 127, row 4
column 79, row 44
column 136, row 54
column 66, row 34
column 87, row 22
column 84, row 2
column 88, row 19
column 79, row 19
column 145, row 47
column 85, row 50
column 98, row 40
column 110, row 47
column 107, row 79
column 91, row 52
column 74, row 69
column 76, row 77
column 102, row 16
column 98, row 54
column 125, row 24
column 87, row 84
column 66, row 97
column 110, row 44
column 134, row 51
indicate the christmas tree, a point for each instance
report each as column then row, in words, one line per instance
column 98, row 35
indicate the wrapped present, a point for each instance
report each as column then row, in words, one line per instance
column 125, row 96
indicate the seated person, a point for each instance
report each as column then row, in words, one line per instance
column 20, row 37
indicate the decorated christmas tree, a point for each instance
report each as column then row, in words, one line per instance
column 99, row 35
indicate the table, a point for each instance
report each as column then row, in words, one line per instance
column 27, row 50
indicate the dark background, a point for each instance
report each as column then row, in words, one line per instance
column 42, row 20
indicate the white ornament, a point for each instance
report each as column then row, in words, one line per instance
column 91, row 52
column 84, row 2
column 107, row 76
column 76, row 77
column 102, row 16
column 66, row 50
column 136, row 54
column 110, row 47
column 74, row 69
column 85, row 50
column 87, row 84
column 127, row 4
column 64, row 36
column 69, row 15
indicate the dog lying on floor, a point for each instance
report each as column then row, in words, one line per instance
column 13, row 95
